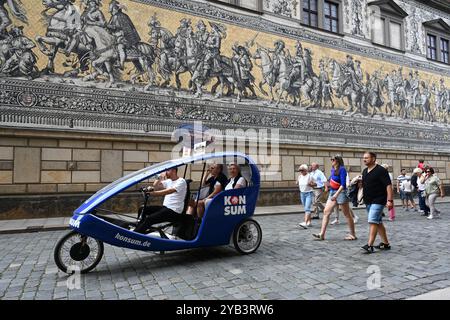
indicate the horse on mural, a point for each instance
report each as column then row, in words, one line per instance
column 62, row 24
column 105, row 54
column 266, row 67
column 279, row 81
column 342, row 85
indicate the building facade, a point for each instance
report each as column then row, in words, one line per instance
column 92, row 89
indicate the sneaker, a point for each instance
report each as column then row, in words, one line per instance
column 430, row 217
column 315, row 217
column 309, row 225
column 383, row 246
column 415, row 210
column 303, row 225
column 407, row 209
column 369, row 249
column 335, row 221
column 390, row 219
column 355, row 219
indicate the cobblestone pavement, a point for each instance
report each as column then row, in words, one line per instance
column 288, row 265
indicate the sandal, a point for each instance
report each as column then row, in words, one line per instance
column 351, row 237
column 383, row 246
column 318, row 236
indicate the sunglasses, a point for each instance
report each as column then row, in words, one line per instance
column 333, row 159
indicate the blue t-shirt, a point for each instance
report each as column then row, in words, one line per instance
column 340, row 177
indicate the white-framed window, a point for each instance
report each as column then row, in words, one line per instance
column 387, row 24
column 253, row 5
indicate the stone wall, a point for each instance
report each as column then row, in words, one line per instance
column 48, row 173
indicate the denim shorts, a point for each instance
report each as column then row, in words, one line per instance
column 402, row 195
column 341, row 198
column 375, row 213
column 408, row 196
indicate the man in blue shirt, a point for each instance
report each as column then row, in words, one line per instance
column 319, row 186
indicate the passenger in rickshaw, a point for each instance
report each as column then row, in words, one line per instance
column 216, row 180
column 236, row 180
column 173, row 189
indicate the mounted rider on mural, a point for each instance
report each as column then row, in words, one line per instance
column 298, row 67
column 127, row 37
column 91, row 16
column 212, row 60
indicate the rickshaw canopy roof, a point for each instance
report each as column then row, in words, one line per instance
column 143, row 174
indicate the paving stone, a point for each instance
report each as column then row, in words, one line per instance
column 279, row 270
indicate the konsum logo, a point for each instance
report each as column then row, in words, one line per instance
column 235, row 205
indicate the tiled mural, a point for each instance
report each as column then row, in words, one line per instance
column 138, row 46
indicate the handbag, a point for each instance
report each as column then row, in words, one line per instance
column 324, row 196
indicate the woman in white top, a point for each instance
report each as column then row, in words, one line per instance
column 306, row 183
column 236, row 179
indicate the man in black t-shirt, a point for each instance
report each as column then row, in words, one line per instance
column 216, row 181
column 378, row 193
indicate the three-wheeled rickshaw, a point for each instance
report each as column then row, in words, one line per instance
column 227, row 219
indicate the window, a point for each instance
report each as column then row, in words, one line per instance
column 444, row 51
column 395, row 35
column 431, row 47
column 331, row 15
column 254, row 5
column 322, row 14
column 310, row 13
column 387, row 24
column 378, row 32
column 438, row 40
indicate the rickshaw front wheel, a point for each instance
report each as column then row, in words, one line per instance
column 75, row 252
column 247, row 236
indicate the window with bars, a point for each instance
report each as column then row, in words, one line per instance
column 310, row 13
column 445, row 50
column 431, row 47
column 331, row 16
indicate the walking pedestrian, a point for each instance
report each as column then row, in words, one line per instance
column 336, row 209
column 305, row 183
column 433, row 188
column 424, row 208
column 392, row 210
column 378, row 193
column 320, row 180
column 407, row 189
column 337, row 197
column 402, row 177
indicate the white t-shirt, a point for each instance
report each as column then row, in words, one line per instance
column 420, row 186
column 175, row 201
column 303, row 182
column 241, row 182
column 407, row 186
column 401, row 179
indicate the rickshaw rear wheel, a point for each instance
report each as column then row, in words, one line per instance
column 75, row 252
column 247, row 236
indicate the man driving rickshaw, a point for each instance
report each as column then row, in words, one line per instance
column 173, row 189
